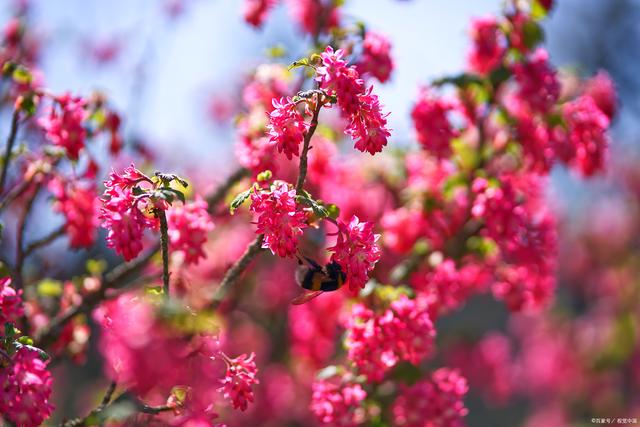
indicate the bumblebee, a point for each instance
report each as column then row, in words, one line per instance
column 316, row 279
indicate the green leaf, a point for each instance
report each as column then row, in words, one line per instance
column 154, row 290
column 239, row 200
column 50, row 288
column 533, row 34
column 264, row 176
column 25, row 340
column 304, row 62
column 461, row 80
column 96, row 267
column 277, row 51
column 499, row 76
column 327, row 372
column 333, row 210
column 538, row 11
column 318, row 209
column 21, row 75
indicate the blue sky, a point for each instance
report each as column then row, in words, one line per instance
column 209, row 47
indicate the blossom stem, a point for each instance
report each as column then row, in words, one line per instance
column 164, row 246
column 221, row 192
column 306, row 145
column 13, row 133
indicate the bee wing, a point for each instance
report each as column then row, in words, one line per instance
column 305, row 297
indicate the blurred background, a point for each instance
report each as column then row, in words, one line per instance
column 171, row 66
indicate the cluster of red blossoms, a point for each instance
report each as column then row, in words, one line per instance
column 389, row 244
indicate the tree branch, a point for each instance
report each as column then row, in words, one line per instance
column 164, row 245
column 302, row 175
column 11, row 139
column 233, row 274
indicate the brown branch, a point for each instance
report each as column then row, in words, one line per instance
column 302, row 175
column 164, row 245
column 81, row 422
column 220, row 193
column 20, row 250
column 11, row 139
column 117, row 278
column 235, row 271
column 44, row 241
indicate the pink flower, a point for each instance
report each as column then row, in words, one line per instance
column 239, row 380
column 602, row 90
column 489, row 45
column 368, row 128
column 356, row 251
column 336, row 77
column 279, row 218
column 489, row 366
column 80, row 206
column 431, row 119
column 367, row 124
column 11, row 309
column 26, row 388
column 537, row 148
column 130, row 333
column 286, row 127
column 377, row 343
column 587, row 138
column 434, row 402
column 448, row 287
column 376, row 56
column 188, row 228
column 65, row 128
column 255, row 11
column 538, row 85
column 121, row 214
column 338, row 402
column 402, row 228
column 315, row 16
column 313, row 328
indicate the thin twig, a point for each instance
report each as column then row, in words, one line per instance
column 22, row 227
column 234, row 272
column 115, row 279
column 164, row 245
column 44, row 241
column 215, row 198
column 302, row 175
column 11, row 139
column 81, row 422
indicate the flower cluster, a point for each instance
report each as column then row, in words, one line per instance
column 586, row 133
column 122, row 213
column 337, row 401
column 237, row 385
column 26, row 388
column 377, row 343
column 356, row 251
column 376, row 56
column 80, row 206
column 189, row 225
column 255, row 11
column 437, row 401
column 432, row 123
column 286, row 127
column 11, row 308
column 367, row 125
column 65, row 128
column 280, row 218
column 538, row 85
column 489, row 45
